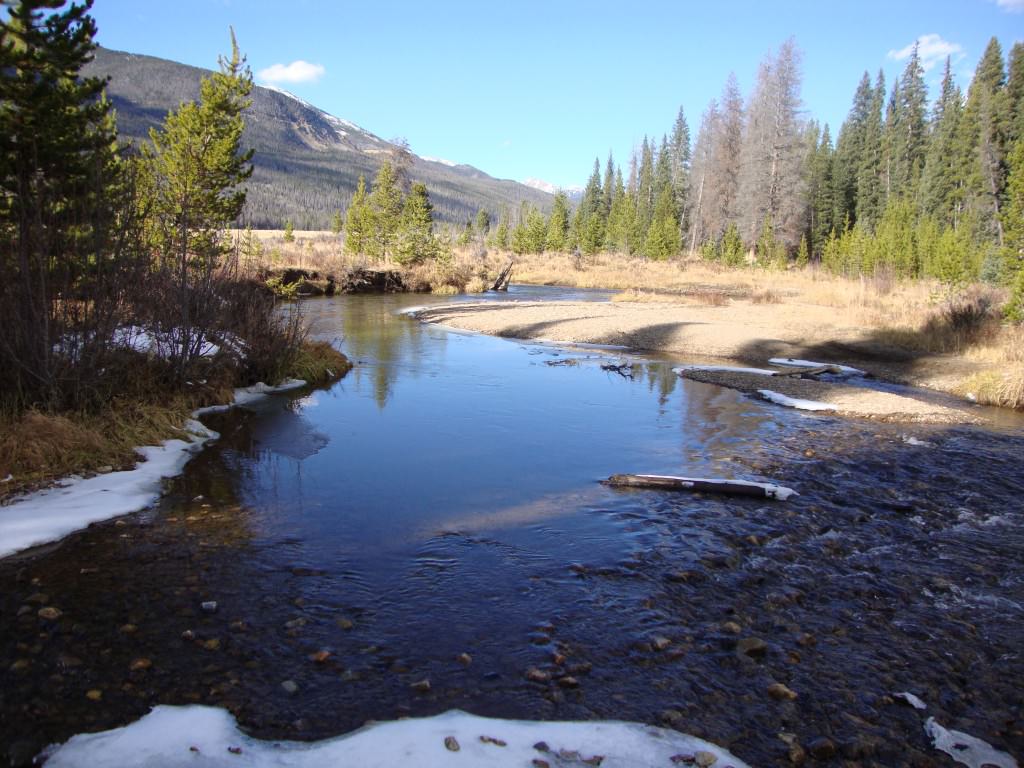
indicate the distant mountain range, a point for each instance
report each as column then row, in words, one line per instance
column 307, row 162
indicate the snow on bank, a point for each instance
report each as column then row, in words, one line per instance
column 967, row 749
column 794, row 402
column 789, row 361
column 75, row 503
column 195, row 735
column 728, row 368
column 53, row 513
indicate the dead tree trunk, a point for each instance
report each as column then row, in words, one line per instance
column 501, row 284
column 701, row 485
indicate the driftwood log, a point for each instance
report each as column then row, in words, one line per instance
column 816, row 370
column 501, row 284
column 701, row 485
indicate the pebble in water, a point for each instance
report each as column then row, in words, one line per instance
column 451, row 744
column 781, row 692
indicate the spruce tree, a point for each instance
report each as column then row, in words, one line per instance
column 821, row 194
column 870, row 194
column 911, row 142
column 946, row 162
column 849, row 154
column 289, row 231
column 337, row 222
column 679, row 148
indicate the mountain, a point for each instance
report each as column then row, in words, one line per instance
column 307, row 162
column 575, row 194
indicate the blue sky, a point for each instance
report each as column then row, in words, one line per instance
column 538, row 89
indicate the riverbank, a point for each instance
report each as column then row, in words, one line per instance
column 740, row 333
column 37, row 448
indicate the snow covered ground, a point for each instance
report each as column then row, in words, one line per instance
column 53, row 513
column 206, row 736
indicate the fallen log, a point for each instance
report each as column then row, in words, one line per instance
column 816, row 370
column 501, row 284
column 702, row 485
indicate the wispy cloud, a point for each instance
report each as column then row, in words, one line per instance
column 1011, row 6
column 506, row 144
column 297, row 72
column 932, row 49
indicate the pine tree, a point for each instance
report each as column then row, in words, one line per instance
column 662, row 239
column 415, row 236
column 289, row 231
column 385, row 205
column 912, row 139
column 193, row 170
column 870, row 194
column 358, row 225
column 483, row 221
column 337, row 222
column 821, row 194
column 1013, row 231
column 558, row 224
column 679, row 163
column 1015, row 93
column 591, row 213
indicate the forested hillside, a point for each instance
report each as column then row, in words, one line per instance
column 307, row 162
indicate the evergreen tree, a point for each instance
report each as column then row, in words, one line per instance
column 337, row 222
column 821, row 194
column 644, row 192
column 500, row 237
column 608, row 188
column 1013, row 228
column 679, row 163
column 193, row 170
column 870, row 194
column 60, row 178
column 942, row 185
column 850, row 153
column 1015, row 93
column 662, row 239
column 416, row 228
column 912, row 127
column 536, row 231
column 289, row 231
column 358, row 224
column 984, row 130
column 385, row 205
column 483, row 221
column 558, row 224
column 591, row 213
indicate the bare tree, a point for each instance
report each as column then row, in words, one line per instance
column 771, row 179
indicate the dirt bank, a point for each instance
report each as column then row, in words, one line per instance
column 741, row 332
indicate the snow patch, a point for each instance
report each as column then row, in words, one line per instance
column 439, row 160
column 911, row 699
column 76, row 502
column 789, row 361
column 966, row 749
column 679, row 371
column 172, row 736
column 53, row 513
column 794, row 402
column 911, row 440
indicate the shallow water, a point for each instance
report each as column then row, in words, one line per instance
column 442, row 499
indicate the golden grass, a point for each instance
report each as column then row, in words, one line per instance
column 318, row 362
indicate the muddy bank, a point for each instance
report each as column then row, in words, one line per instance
column 743, row 333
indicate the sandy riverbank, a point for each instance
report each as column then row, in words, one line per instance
column 742, row 333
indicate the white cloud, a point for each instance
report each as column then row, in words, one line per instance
column 1011, row 6
column 932, row 49
column 297, row 72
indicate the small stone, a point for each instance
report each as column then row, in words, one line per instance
column 538, row 763
column 127, row 629
column 106, row 469
column 140, row 665
column 568, row 754
column 24, row 610
column 595, row 760
column 781, row 692
column 188, row 634
column 494, row 741
column 732, row 628
column 421, row 686
column 682, row 759
column 535, row 675
column 213, row 644
column 809, row 453
column 451, row 744
column 50, row 613
column 87, row 571
column 822, row 748
column 94, row 694
column 320, row 656
column 660, row 643
column 705, row 759
column 580, row 669
column 67, row 661
column 754, row 647
column 558, row 659
column 672, row 716
column 542, row 746
column 209, row 606
column 464, row 659
column 39, row 598
column 344, row 623
column 753, row 540
column 290, row 686
column 568, row 682
column 20, row 665
column 295, row 623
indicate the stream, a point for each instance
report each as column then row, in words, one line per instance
column 429, row 533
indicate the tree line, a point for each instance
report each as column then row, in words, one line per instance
column 908, row 188
column 100, row 247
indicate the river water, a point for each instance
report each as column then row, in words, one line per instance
column 436, row 516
